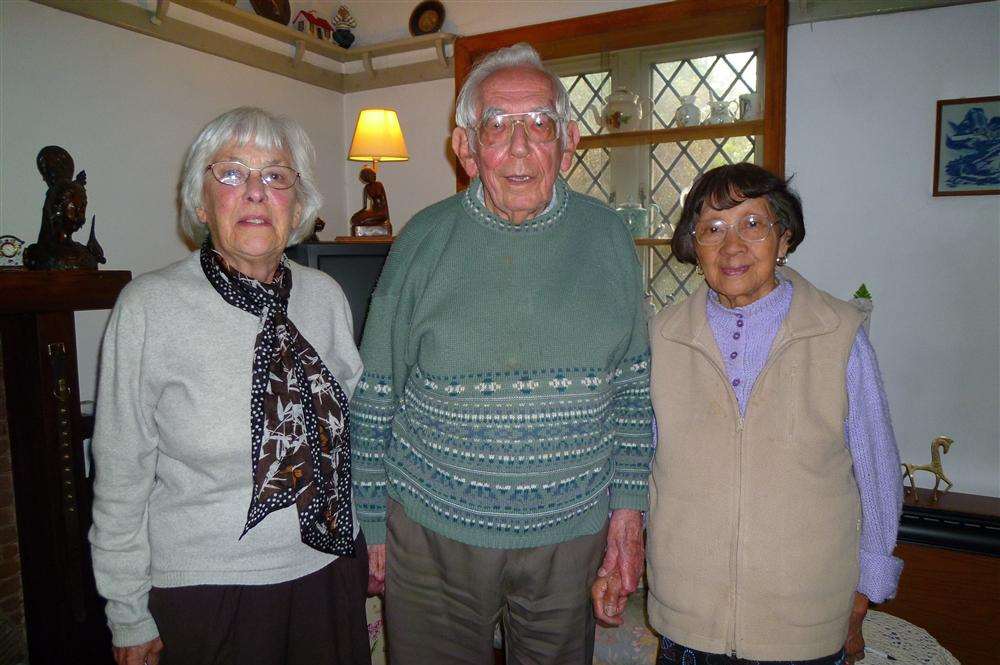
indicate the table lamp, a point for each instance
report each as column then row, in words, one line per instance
column 377, row 138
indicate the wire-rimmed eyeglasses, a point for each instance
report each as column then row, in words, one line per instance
column 539, row 127
column 751, row 228
column 235, row 174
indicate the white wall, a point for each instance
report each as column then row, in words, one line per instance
column 861, row 96
column 861, row 114
column 126, row 107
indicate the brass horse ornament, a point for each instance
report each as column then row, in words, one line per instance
column 937, row 445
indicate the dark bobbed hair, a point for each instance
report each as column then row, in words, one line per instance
column 727, row 186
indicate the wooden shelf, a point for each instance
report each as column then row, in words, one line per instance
column 162, row 25
column 650, row 136
column 291, row 36
column 652, row 242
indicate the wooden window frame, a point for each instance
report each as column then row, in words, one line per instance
column 662, row 24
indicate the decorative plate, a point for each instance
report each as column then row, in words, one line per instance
column 427, row 17
column 276, row 10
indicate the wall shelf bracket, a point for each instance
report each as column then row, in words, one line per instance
column 156, row 17
column 439, row 47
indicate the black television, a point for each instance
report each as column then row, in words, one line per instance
column 356, row 267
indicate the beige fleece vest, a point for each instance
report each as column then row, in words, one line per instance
column 754, row 521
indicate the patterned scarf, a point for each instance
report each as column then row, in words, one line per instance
column 300, row 447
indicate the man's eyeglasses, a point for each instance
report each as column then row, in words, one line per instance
column 539, row 127
column 752, row 228
column 235, row 174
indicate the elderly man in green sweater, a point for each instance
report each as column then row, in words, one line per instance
column 504, row 410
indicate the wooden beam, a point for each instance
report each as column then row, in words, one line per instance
column 681, row 20
column 416, row 72
column 775, row 71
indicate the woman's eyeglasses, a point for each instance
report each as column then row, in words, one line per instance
column 235, row 174
column 752, row 228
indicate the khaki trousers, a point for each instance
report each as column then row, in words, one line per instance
column 444, row 598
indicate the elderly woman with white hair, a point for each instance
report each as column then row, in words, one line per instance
column 224, row 530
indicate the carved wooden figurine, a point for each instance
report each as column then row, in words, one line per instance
column 63, row 213
column 935, row 468
column 373, row 218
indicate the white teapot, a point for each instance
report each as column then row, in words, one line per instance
column 624, row 111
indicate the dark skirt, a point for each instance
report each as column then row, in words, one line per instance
column 319, row 618
column 672, row 653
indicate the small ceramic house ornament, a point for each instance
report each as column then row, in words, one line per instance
column 342, row 24
column 307, row 21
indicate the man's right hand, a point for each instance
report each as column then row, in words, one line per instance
column 376, row 570
column 147, row 653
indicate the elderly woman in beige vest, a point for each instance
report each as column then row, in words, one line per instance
column 774, row 492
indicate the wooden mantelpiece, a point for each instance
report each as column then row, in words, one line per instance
column 64, row 615
column 60, row 290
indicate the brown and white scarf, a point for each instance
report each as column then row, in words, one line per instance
column 300, row 447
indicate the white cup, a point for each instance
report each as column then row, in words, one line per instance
column 749, row 106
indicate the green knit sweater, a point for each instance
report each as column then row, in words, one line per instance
column 505, row 398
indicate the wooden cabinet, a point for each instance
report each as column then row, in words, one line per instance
column 64, row 615
column 951, row 579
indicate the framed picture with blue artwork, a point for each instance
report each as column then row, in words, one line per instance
column 967, row 150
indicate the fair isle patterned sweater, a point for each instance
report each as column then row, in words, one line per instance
column 505, row 398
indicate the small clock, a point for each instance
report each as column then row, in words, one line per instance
column 427, row 17
column 10, row 252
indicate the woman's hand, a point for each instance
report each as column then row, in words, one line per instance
column 609, row 601
column 139, row 654
column 854, row 647
column 376, row 570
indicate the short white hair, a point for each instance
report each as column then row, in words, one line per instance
column 520, row 55
column 249, row 125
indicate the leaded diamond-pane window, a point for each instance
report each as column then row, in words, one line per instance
column 591, row 173
column 711, row 78
column 587, row 95
column 673, row 168
column 660, row 172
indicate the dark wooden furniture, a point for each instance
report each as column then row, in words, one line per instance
column 64, row 615
column 667, row 23
column 951, row 579
column 354, row 263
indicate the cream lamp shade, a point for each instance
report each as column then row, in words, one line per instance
column 378, row 138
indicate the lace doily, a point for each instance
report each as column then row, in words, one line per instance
column 890, row 640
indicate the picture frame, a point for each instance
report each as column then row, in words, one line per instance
column 967, row 147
